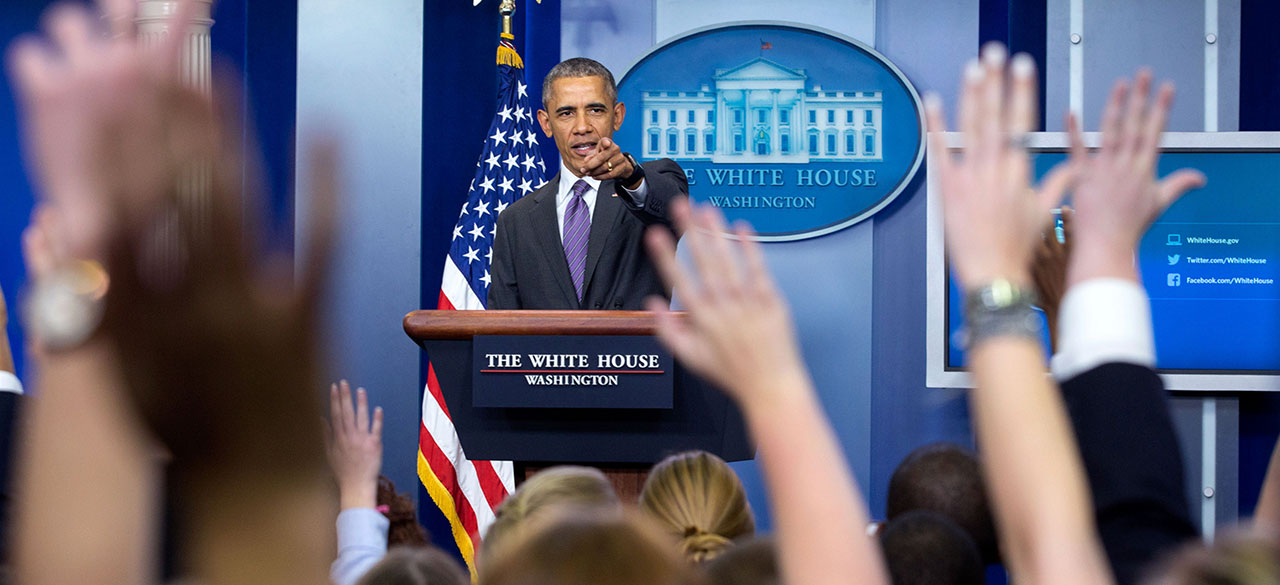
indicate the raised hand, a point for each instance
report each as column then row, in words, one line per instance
column 993, row 216
column 78, row 88
column 354, row 444
column 1049, row 270
column 1118, row 196
column 738, row 333
column 204, row 344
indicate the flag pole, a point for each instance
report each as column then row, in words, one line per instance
column 508, row 9
column 507, row 54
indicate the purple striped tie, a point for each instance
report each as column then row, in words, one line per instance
column 577, row 228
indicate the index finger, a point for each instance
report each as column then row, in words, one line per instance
column 602, row 155
column 335, row 409
column 757, row 272
column 362, row 410
column 1022, row 114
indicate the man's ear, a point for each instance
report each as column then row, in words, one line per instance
column 619, row 112
column 544, row 120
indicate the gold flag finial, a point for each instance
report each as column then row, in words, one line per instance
column 507, row 8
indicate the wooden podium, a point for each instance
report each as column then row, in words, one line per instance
column 623, row 443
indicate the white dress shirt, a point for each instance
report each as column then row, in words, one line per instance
column 10, row 383
column 564, row 194
column 1100, row 321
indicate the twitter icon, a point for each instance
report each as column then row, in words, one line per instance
column 1173, row 259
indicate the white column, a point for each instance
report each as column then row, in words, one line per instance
column 724, row 126
column 154, row 23
column 775, row 137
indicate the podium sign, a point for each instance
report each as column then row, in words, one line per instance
column 585, row 371
column 632, row 423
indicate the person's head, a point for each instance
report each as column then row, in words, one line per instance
column 580, row 107
column 589, row 547
column 926, row 548
column 404, row 528
column 696, row 497
column 753, row 562
column 416, row 566
column 564, row 486
column 947, row 479
column 1236, row 558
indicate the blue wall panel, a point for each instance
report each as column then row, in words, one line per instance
column 906, row 413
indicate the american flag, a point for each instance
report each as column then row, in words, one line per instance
column 510, row 167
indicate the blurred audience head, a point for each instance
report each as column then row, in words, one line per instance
column 697, row 497
column 564, row 486
column 751, row 562
column 1234, row 558
column 926, row 548
column 404, row 528
column 586, row 547
column 946, row 478
column 416, row 566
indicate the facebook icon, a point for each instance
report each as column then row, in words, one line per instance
column 1174, row 279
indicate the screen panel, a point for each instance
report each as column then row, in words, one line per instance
column 1210, row 264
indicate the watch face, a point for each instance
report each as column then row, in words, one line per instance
column 65, row 307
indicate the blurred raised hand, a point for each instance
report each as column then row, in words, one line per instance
column 1119, row 195
column 994, row 221
column 79, row 90
column 738, row 334
column 206, row 343
column 993, row 215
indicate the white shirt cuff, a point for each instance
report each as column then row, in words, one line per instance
column 1101, row 321
column 10, row 383
column 639, row 195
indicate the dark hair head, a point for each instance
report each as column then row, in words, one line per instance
column 1234, row 558
column 946, row 478
column 926, row 548
column 416, row 566
column 588, row 547
column 404, row 528
column 753, row 562
column 579, row 67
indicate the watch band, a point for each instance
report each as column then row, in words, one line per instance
column 1000, row 309
column 637, row 171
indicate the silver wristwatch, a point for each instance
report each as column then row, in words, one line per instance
column 998, row 309
column 63, row 309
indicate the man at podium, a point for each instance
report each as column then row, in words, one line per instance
column 577, row 242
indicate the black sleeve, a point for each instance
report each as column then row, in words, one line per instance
column 504, row 292
column 1134, row 464
column 666, row 181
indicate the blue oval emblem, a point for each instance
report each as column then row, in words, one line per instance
column 799, row 131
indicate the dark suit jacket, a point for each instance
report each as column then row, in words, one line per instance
column 1133, row 462
column 529, row 270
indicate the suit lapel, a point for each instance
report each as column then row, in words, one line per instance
column 546, row 226
column 606, row 217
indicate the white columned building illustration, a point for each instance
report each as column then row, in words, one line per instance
column 763, row 112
